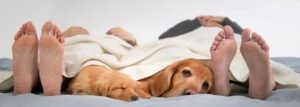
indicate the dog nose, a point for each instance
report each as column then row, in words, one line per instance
column 134, row 98
column 189, row 92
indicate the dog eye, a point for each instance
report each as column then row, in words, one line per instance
column 186, row 73
column 205, row 85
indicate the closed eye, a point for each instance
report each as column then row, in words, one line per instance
column 116, row 92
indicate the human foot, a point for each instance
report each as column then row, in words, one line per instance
column 25, row 67
column 222, row 51
column 256, row 54
column 75, row 30
column 51, row 59
column 123, row 34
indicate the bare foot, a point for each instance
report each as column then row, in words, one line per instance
column 25, row 67
column 123, row 34
column 256, row 54
column 51, row 59
column 223, row 50
column 75, row 30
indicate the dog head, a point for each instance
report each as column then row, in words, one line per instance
column 119, row 86
column 185, row 77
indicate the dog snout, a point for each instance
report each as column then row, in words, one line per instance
column 134, row 98
column 189, row 92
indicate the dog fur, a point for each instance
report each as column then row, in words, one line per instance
column 185, row 77
column 98, row 80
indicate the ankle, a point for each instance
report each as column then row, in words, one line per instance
column 52, row 92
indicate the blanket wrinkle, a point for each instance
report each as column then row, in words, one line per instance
column 146, row 60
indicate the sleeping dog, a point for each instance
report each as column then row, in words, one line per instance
column 185, row 77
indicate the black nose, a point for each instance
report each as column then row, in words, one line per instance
column 189, row 92
column 134, row 98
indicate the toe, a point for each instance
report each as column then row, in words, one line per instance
column 216, row 43
column 17, row 36
column 265, row 47
column 260, row 41
column 228, row 32
column 53, row 30
column 246, row 35
column 20, row 32
column 56, row 33
column 46, row 28
column 220, row 36
column 257, row 38
column 29, row 28
column 213, row 48
column 22, row 29
column 61, row 39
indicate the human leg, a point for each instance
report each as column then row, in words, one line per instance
column 256, row 54
column 51, row 59
column 223, row 50
column 25, row 67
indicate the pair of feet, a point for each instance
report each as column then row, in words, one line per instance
column 38, row 60
column 255, row 51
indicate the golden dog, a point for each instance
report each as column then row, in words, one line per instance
column 98, row 80
column 185, row 77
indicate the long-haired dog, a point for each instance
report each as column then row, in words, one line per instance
column 185, row 77
column 98, row 80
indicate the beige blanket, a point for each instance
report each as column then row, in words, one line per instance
column 145, row 60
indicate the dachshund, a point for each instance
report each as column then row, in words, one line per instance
column 185, row 77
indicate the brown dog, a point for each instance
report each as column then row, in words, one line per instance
column 98, row 80
column 185, row 77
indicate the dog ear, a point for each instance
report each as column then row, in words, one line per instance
column 162, row 80
column 100, row 89
column 141, row 93
column 209, row 65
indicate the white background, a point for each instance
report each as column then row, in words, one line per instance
column 277, row 20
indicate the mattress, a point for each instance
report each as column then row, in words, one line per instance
column 279, row 98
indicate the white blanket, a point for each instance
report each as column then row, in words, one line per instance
column 146, row 60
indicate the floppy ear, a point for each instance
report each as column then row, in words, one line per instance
column 162, row 80
column 208, row 64
column 141, row 93
column 100, row 89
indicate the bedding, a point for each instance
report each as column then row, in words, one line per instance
column 145, row 60
column 289, row 97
